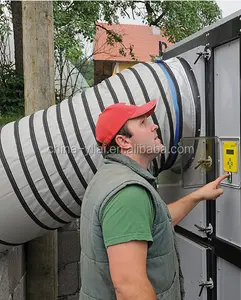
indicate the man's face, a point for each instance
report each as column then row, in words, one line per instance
column 144, row 140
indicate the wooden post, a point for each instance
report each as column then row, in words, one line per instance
column 38, row 64
column 42, row 268
column 38, row 55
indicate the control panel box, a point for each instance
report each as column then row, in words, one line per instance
column 230, row 156
column 229, row 163
column 218, row 155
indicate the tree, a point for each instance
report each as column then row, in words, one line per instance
column 16, row 8
column 11, row 83
column 178, row 19
column 77, row 20
column 74, row 22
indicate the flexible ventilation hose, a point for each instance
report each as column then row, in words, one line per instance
column 49, row 157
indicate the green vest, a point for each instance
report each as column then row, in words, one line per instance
column 163, row 265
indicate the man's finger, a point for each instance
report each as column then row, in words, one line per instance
column 221, row 178
column 220, row 191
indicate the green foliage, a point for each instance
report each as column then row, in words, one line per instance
column 80, row 17
column 73, row 22
column 75, row 19
column 177, row 19
column 66, row 30
column 4, row 22
column 10, row 118
column 11, row 86
column 183, row 18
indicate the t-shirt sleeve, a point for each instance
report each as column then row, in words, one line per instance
column 128, row 216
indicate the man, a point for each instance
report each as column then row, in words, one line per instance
column 128, row 246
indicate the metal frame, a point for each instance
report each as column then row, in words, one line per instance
column 222, row 32
column 211, row 205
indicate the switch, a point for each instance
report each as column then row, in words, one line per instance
column 229, row 178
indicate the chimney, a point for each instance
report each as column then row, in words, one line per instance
column 155, row 30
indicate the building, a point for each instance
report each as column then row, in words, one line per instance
column 148, row 42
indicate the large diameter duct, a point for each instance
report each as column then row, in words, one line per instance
column 49, row 157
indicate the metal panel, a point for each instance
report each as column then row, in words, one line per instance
column 228, row 281
column 228, row 221
column 227, row 124
column 227, row 89
column 196, row 216
column 171, row 181
column 193, row 263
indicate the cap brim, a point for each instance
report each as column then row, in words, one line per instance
column 146, row 109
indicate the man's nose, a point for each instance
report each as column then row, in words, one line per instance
column 154, row 127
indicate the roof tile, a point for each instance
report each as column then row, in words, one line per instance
column 140, row 36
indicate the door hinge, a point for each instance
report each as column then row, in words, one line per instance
column 208, row 284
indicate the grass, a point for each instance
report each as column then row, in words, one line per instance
column 9, row 118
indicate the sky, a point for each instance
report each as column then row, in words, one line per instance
column 229, row 7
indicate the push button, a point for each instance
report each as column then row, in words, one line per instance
column 229, row 178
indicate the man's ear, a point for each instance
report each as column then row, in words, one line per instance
column 123, row 142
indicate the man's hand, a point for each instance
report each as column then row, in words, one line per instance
column 183, row 206
column 211, row 190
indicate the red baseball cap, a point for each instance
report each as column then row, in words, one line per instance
column 116, row 115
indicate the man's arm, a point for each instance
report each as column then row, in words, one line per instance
column 128, row 271
column 179, row 209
